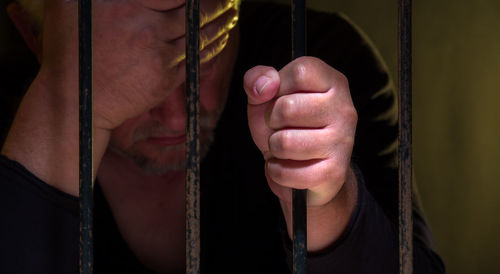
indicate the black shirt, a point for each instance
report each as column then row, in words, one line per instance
column 241, row 222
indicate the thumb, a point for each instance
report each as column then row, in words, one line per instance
column 261, row 84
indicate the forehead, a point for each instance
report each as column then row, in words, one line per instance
column 207, row 7
column 165, row 5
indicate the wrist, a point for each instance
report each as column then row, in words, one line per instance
column 44, row 137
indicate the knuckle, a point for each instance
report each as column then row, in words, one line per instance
column 274, row 145
column 336, row 172
column 350, row 115
column 287, row 108
column 309, row 60
column 347, row 141
column 304, row 67
column 299, row 72
column 279, row 144
column 342, row 83
column 275, row 173
column 343, row 79
column 285, row 141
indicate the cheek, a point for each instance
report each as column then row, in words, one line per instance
column 212, row 96
column 122, row 136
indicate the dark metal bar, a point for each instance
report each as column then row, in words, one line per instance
column 299, row 204
column 192, row 137
column 299, row 231
column 405, row 140
column 85, row 135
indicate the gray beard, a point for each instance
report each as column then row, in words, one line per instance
column 153, row 167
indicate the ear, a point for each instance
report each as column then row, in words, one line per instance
column 26, row 28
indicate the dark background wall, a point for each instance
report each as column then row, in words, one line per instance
column 456, row 115
column 456, row 128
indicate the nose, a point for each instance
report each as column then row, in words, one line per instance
column 171, row 113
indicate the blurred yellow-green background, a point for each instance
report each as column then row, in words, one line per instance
column 456, row 129
column 456, row 117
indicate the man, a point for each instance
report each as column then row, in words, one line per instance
column 301, row 117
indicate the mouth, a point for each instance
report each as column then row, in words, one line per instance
column 177, row 140
column 168, row 140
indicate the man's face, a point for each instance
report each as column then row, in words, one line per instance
column 138, row 56
column 156, row 139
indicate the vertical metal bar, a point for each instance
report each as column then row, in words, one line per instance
column 192, row 134
column 405, row 139
column 299, row 205
column 85, row 135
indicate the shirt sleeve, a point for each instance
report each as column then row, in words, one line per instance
column 40, row 224
column 369, row 244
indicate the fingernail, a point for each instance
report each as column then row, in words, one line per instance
column 261, row 83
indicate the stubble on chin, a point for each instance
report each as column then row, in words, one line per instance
column 156, row 167
column 162, row 163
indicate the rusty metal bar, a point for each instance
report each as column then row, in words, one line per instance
column 405, row 140
column 192, row 137
column 85, row 135
column 299, row 203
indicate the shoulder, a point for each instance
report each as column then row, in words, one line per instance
column 41, row 223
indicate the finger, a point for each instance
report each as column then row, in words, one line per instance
column 210, row 10
column 315, row 197
column 213, row 37
column 259, row 130
column 303, row 144
column 307, row 110
column 261, row 84
column 309, row 74
column 217, row 21
column 214, row 49
column 218, row 27
column 283, row 193
column 321, row 177
column 307, row 174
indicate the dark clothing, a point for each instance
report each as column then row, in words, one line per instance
column 241, row 221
